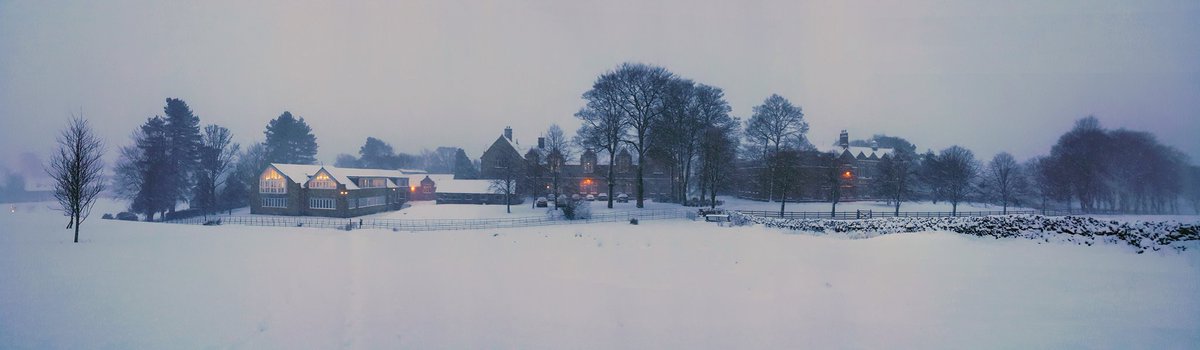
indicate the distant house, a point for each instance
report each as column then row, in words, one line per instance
column 859, row 166
column 314, row 190
column 584, row 177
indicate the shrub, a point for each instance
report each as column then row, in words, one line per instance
column 577, row 210
column 107, row 216
column 127, row 216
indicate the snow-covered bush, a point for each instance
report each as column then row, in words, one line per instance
column 1143, row 235
column 577, row 210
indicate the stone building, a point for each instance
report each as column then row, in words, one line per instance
column 314, row 190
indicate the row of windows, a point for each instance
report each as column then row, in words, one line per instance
column 367, row 182
column 372, row 201
column 322, row 203
column 274, row 202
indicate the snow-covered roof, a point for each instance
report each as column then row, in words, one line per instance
column 463, row 186
column 301, row 173
column 412, row 171
column 864, row 151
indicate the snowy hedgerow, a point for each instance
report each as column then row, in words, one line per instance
column 1143, row 235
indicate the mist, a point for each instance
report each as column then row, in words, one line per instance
column 991, row 77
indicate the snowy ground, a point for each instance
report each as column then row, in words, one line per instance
column 429, row 210
column 662, row 284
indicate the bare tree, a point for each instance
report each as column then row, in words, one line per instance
column 636, row 91
column 77, row 171
column 507, row 183
column 558, row 153
column 1001, row 178
column 217, row 151
column 957, row 168
column 603, row 128
column 775, row 125
column 896, row 176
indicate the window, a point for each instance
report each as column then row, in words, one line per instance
column 274, row 202
column 372, row 201
column 272, row 182
column 366, row 182
column 322, row 203
column 322, row 181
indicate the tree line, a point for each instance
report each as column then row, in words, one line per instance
column 662, row 117
column 172, row 160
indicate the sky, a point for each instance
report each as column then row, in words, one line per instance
column 991, row 76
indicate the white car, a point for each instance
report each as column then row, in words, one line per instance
column 622, row 198
column 591, row 197
column 602, row 197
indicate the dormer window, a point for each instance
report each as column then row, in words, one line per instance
column 272, row 181
column 322, row 181
column 372, row 182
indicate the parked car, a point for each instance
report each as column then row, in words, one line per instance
column 602, row 197
column 591, row 197
column 622, row 198
column 576, row 197
column 542, row 202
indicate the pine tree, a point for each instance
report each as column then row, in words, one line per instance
column 183, row 144
column 290, row 141
column 153, row 166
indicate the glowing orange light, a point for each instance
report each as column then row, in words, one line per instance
column 846, row 174
column 412, row 188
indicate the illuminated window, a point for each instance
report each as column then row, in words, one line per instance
column 322, row 181
column 847, row 174
column 272, row 182
column 322, row 203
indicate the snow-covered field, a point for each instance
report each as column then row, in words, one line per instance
column 662, row 284
column 429, row 210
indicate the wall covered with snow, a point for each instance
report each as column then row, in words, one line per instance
column 1143, row 235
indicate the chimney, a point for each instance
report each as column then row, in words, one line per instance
column 508, row 133
column 874, row 145
column 844, row 139
column 541, row 142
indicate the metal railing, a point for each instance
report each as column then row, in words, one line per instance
column 415, row 225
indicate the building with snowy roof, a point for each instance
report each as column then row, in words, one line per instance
column 587, row 176
column 315, row 190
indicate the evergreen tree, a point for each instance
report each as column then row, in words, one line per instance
column 463, row 168
column 376, row 154
column 183, row 144
column 153, row 165
column 290, row 141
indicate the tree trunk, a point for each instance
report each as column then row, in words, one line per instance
column 641, row 189
column 782, row 202
column 611, row 179
column 76, row 228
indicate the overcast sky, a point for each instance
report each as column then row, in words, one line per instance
column 988, row 75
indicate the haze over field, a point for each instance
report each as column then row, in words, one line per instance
column 990, row 76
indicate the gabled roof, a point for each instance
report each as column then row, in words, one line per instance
column 301, row 173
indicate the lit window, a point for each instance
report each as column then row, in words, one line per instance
column 322, row 181
column 272, row 182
